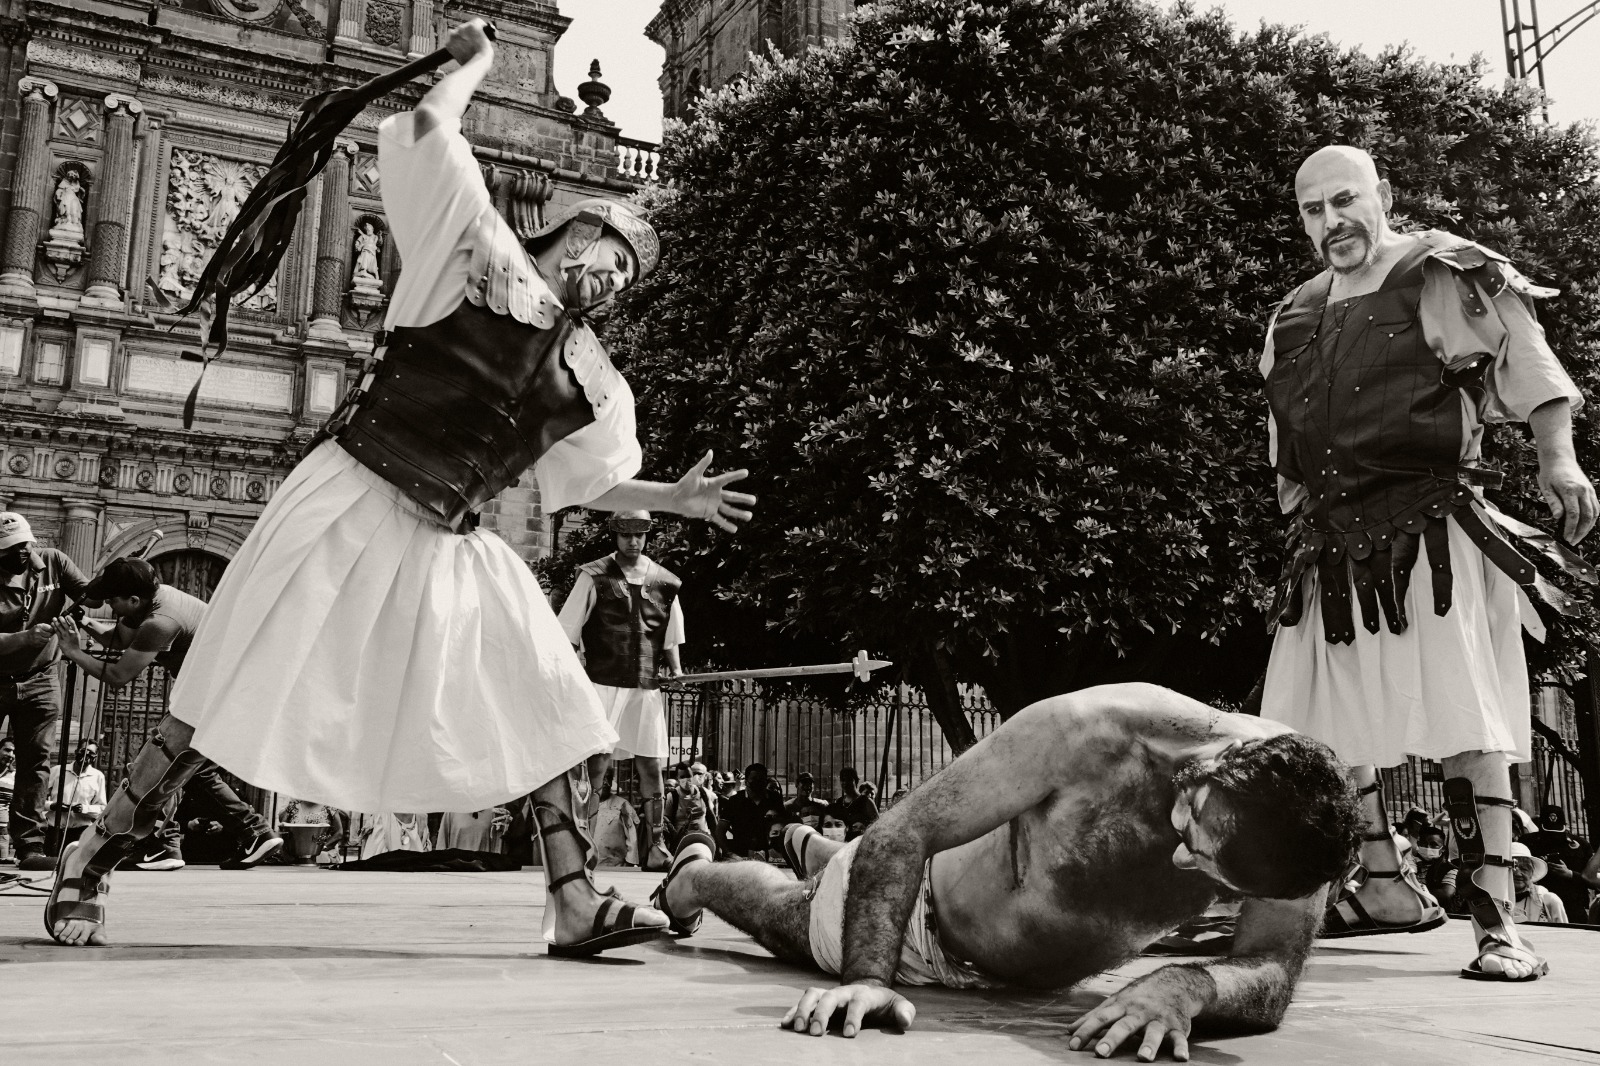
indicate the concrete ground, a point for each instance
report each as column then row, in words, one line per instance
column 310, row 966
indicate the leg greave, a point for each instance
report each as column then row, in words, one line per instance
column 162, row 767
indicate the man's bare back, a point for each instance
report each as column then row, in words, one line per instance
column 1085, row 828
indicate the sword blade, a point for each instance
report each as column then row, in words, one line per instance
column 781, row 671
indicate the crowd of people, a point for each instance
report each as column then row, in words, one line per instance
column 1556, row 873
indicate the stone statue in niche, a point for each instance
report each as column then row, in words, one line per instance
column 69, row 203
column 63, row 249
column 369, row 245
column 366, row 273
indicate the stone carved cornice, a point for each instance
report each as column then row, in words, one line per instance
column 237, row 99
column 109, row 66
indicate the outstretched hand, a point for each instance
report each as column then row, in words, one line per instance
column 67, row 634
column 699, row 496
column 862, row 1005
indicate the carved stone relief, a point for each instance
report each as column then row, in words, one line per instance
column 204, row 192
column 78, row 121
column 383, row 24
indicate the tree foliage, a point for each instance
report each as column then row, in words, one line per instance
column 979, row 296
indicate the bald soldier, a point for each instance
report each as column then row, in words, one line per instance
column 1082, row 830
column 1381, row 372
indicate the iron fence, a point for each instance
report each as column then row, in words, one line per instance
column 892, row 740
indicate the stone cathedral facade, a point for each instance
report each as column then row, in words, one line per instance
column 130, row 132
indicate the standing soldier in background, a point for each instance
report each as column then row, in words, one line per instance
column 623, row 615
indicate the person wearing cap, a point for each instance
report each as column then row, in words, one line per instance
column 623, row 614
column 153, row 622
column 369, row 647
column 36, row 585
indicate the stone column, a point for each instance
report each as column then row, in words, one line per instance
column 28, row 189
column 108, row 252
column 421, row 28
column 80, row 530
column 350, row 13
column 333, row 245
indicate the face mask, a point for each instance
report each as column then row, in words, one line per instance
column 833, row 832
column 14, row 564
column 1429, row 853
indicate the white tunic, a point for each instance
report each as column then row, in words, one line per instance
column 1450, row 684
column 359, row 653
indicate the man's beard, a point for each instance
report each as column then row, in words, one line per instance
column 1361, row 233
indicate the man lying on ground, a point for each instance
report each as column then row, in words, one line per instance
column 1082, row 830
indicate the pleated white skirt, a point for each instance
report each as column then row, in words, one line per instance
column 1445, row 686
column 639, row 716
column 360, row 654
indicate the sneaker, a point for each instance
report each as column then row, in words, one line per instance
column 255, row 849
column 35, row 860
column 160, row 861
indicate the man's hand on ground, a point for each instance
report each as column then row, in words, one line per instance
column 1160, row 1004
column 861, row 1004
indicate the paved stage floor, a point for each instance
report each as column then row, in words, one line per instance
column 310, row 966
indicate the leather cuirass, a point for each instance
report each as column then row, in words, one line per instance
column 624, row 635
column 455, row 411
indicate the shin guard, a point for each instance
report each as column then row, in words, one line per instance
column 162, row 767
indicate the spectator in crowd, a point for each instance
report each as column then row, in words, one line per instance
column 806, row 808
column 727, row 784
column 1434, row 869
column 83, row 796
column 1413, row 824
column 1565, row 855
column 1534, row 902
column 616, row 826
column 752, row 813
column 854, row 810
column 690, row 800
column 1590, row 875
column 394, row 832
column 35, row 586
column 8, row 781
column 483, row 830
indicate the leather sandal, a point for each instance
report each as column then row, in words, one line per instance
column 1346, row 917
column 614, row 921
column 84, row 908
column 1491, row 917
column 692, row 848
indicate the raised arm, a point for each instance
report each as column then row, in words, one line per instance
column 447, row 101
column 1013, row 769
column 149, row 640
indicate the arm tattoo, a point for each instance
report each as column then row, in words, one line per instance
column 884, row 881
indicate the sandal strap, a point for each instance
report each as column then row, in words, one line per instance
column 1376, row 836
column 1376, row 786
column 603, row 920
column 77, row 909
column 84, row 886
column 565, row 879
column 561, row 825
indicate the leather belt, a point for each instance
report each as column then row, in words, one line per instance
column 17, row 679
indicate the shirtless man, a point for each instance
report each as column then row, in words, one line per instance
column 1082, row 830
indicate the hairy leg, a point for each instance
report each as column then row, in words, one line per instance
column 652, row 791
column 753, row 897
column 597, row 766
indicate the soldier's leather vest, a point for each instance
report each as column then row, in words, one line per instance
column 455, row 411
column 624, row 634
column 1371, row 423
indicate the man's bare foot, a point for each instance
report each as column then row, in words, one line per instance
column 78, row 932
column 1391, row 901
column 1514, row 961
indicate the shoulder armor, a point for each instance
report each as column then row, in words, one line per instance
column 1473, row 263
column 587, row 359
column 596, row 567
column 504, row 279
column 667, row 577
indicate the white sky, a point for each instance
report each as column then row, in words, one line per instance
column 1447, row 30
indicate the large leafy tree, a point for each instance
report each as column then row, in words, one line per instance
column 979, row 298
